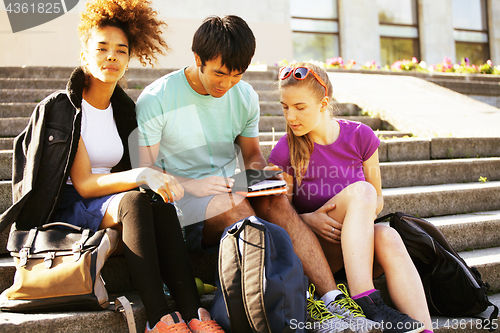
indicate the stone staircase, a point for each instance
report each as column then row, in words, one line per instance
column 433, row 178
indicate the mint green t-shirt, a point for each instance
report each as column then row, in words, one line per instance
column 196, row 132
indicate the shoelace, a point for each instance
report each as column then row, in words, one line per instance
column 348, row 303
column 317, row 309
column 211, row 326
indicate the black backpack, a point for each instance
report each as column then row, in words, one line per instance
column 452, row 288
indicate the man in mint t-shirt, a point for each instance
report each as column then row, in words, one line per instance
column 190, row 122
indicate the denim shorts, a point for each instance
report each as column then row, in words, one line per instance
column 86, row 213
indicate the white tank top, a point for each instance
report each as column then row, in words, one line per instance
column 100, row 135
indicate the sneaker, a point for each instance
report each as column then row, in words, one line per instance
column 171, row 322
column 320, row 320
column 205, row 323
column 345, row 306
column 391, row 320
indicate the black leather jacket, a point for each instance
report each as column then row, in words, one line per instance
column 45, row 150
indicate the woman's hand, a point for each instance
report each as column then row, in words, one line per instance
column 165, row 185
column 323, row 225
column 212, row 185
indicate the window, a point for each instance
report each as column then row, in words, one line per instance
column 315, row 29
column 470, row 25
column 398, row 28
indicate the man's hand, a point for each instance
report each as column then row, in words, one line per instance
column 212, row 185
column 275, row 168
column 323, row 225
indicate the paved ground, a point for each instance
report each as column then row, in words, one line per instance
column 417, row 106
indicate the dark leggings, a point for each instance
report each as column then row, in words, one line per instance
column 156, row 253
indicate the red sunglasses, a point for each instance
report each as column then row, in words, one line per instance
column 300, row 73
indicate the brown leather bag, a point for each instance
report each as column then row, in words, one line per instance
column 58, row 268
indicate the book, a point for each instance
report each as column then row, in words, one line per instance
column 254, row 182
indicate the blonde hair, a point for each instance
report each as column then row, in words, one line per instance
column 301, row 147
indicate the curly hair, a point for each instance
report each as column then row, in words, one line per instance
column 135, row 18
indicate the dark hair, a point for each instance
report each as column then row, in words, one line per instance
column 228, row 37
column 135, row 18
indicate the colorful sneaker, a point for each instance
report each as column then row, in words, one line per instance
column 345, row 306
column 205, row 324
column 171, row 322
column 391, row 320
column 320, row 320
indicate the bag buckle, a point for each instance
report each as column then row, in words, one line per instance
column 23, row 256
column 77, row 249
column 49, row 257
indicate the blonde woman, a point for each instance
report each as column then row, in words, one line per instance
column 333, row 174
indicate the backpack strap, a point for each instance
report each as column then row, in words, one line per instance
column 230, row 280
column 383, row 218
column 123, row 306
column 489, row 322
column 252, row 267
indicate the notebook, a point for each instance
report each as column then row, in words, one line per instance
column 254, row 182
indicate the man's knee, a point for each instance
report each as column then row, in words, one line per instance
column 270, row 202
column 230, row 205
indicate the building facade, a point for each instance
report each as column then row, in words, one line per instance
column 362, row 30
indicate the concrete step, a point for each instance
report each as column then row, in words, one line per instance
column 141, row 83
column 93, row 321
column 269, row 95
column 5, row 196
column 6, row 143
column 11, row 127
column 6, row 164
column 267, row 123
column 441, row 200
column 29, row 72
column 419, row 149
column 271, row 136
column 392, row 134
column 153, row 73
column 10, row 110
column 340, row 110
column 128, row 83
column 469, row 88
column 108, row 321
column 435, row 172
column 37, row 95
column 345, row 109
column 481, row 229
column 25, row 109
column 270, row 108
column 381, row 134
column 24, row 95
column 32, row 83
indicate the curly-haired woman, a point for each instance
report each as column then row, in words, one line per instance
column 87, row 179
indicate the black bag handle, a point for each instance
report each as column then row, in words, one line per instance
column 383, row 218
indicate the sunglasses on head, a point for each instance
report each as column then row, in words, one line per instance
column 300, row 73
